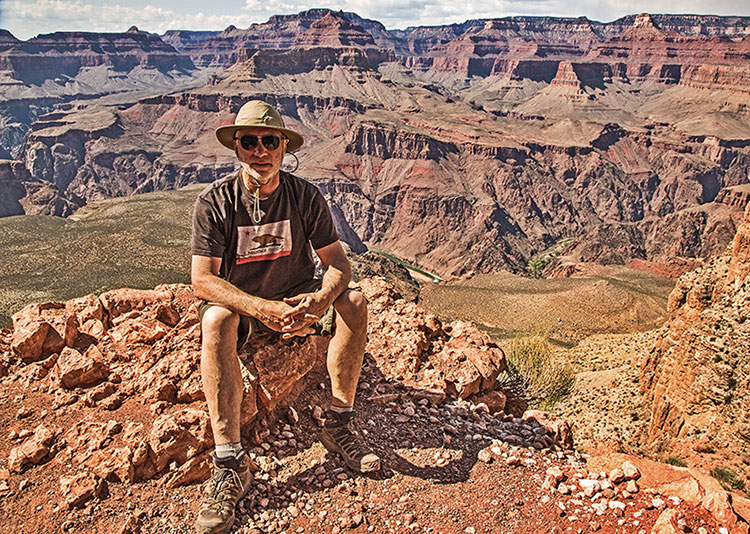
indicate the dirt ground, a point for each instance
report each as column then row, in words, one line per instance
column 446, row 469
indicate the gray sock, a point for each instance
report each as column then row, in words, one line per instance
column 342, row 409
column 228, row 449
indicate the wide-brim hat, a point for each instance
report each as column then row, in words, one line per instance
column 258, row 114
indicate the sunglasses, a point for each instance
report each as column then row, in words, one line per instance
column 270, row 142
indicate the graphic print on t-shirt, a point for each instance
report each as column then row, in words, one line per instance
column 264, row 242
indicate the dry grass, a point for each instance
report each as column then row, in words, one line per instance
column 728, row 478
column 547, row 376
column 566, row 309
column 139, row 241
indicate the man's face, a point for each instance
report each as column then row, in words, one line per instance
column 263, row 160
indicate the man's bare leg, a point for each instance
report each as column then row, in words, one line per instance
column 221, row 373
column 345, row 355
column 222, row 385
column 347, row 347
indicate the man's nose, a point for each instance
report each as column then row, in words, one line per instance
column 260, row 148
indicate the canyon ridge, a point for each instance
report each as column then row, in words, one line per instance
column 465, row 148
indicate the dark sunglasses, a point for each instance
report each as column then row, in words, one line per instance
column 270, row 142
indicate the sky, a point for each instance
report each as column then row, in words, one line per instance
column 27, row 18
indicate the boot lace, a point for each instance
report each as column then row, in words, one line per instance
column 346, row 437
column 224, row 485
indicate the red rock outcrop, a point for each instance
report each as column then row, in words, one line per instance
column 137, row 351
column 695, row 379
column 457, row 360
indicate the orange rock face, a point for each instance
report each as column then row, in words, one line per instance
column 696, row 378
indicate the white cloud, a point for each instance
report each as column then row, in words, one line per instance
column 26, row 18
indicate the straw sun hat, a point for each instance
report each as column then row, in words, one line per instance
column 258, row 114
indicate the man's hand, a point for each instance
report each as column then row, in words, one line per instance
column 277, row 317
column 306, row 304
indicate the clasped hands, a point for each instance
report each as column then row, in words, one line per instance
column 294, row 316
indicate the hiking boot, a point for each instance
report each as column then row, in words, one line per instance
column 339, row 435
column 229, row 483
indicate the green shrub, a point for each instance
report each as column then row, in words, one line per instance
column 675, row 460
column 546, row 379
column 728, row 478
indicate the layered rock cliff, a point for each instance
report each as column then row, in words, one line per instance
column 505, row 136
column 696, row 379
column 64, row 55
column 315, row 27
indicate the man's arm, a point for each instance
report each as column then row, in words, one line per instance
column 338, row 270
column 208, row 286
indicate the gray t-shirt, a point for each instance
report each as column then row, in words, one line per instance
column 270, row 259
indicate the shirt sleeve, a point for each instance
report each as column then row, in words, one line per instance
column 320, row 229
column 208, row 230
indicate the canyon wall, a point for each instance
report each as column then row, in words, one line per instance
column 463, row 148
column 696, row 379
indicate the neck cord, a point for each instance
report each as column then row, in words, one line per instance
column 257, row 214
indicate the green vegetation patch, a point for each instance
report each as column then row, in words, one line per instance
column 675, row 460
column 536, row 264
column 728, row 478
column 546, row 378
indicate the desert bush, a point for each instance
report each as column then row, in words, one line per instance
column 675, row 460
column 536, row 264
column 728, row 478
column 546, row 378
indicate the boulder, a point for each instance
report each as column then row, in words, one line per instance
column 560, row 430
column 280, row 366
column 42, row 329
column 179, row 436
column 90, row 315
column 81, row 370
column 630, row 471
column 32, row 451
column 495, row 401
column 80, row 488
column 666, row 523
column 116, row 464
column 136, row 329
column 196, row 469
column 121, row 301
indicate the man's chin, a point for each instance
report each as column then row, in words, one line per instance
column 262, row 174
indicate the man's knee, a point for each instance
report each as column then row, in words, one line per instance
column 351, row 306
column 218, row 322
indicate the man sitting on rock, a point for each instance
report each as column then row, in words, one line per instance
column 252, row 264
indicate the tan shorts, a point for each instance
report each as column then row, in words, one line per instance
column 251, row 326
